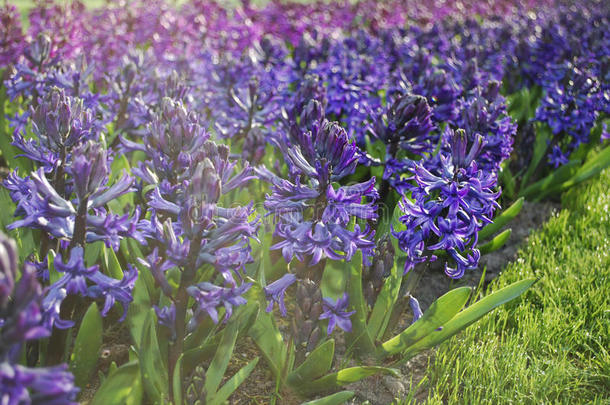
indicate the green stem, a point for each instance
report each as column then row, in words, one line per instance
column 181, row 303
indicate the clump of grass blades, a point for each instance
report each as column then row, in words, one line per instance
column 552, row 344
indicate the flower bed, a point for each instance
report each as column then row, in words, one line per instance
column 278, row 180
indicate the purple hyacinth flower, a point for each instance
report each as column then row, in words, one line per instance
column 167, row 316
column 23, row 385
column 74, row 281
column 417, row 312
column 209, row 296
column 275, row 291
column 605, row 133
column 21, row 320
column 8, row 267
column 336, row 314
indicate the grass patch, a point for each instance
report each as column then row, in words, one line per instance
column 551, row 345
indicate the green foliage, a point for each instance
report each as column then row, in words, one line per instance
column 359, row 336
column 269, row 340
column 382, row 310
column 333, row 399
column 342, row 377
column 87, row 346
column 552, row 345
column 501, row 219
column 154, row 369
column 315, row 365
column 234, row 382
column 123, row 386
column 496, row 243
column 219, row 364
column 440, row 312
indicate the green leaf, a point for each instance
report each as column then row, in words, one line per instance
column 552, row 182
column 382, row 311
column 87, row 346
column 359, row 337
column 342, row 377
column 8, row 151
column 440, row 312
column 500, row 220
column 218, row 366
column 315, row 365
column 333, row 399
column 111, row 263
column 334, row 279
column 230, row 386
column 194, row 357
column 130, row 248
column 154, row 369
column 23, row 236
column 496, row 243
column 470, row 315
column 543, row 134
column 124, row 386
column 92, row 253
column 54, row 275
column 138, row 310
column 508, row 181
column 177, row 382
column 269, row 340
column 592, row 167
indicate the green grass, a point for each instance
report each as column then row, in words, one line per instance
column 551, row 345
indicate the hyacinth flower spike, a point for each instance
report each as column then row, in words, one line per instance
column 21, row 321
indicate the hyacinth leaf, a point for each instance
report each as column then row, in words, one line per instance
column 200, row 336
column 92, row 253
column 138, row 309
column 439, row 313
column 333, row 399
column 224, row 352
column 315, row 365
column 342, row 377
column 522, row 104
column 87, row 346
column 592, row 167
column 500, row 220
column 359, row 336
column 470, row 315
column 130, row 249
column 111, row 263
column 177, row 381
column 269, row 340
column 389, row 222
column 517, row 104
column 234, row 382
column 209, row 340
column 123, row 386
column 552, row 182
column 54, row 275
column 120, row 166
column 23, row 236
column 7, row 150
column 154, row 370
column 496, row 243
column 543, row 135
column 508, row 181
column 334, row 279
column 193, row 357
column 111, row 369
column 382, row 311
